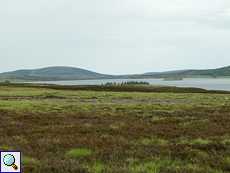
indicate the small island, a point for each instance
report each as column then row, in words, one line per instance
column 171, row 79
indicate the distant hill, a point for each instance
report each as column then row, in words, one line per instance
column 148, row 73
column 223, row 72
column 165, row 75
column 58, row 71
column 166, row 72
column 71, row 73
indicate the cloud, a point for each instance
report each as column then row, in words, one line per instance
column 128, row 34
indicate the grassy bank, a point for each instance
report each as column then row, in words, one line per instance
column 115, row 129
column 13, row 79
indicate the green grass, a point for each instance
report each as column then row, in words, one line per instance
column 142, row 115
column 20, row 139
column 201, row 141
column 95, row 166
column 26, row 159
column 36, row 78
column 114, row 126
column 155, row 118
column 117, row 125
column 186, row 124
column 228, row 159
column 146, row 141
column 79, row 152
column 5, row 147
column 88, row 125
column 205, row 121
column 183, row 140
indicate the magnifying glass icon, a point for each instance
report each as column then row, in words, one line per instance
column 9, row 160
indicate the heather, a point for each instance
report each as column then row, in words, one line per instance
column 115, row 128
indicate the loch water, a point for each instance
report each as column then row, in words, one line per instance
column 205, row 83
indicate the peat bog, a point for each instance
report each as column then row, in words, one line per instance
column 116, row 128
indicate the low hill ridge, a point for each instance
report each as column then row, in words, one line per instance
column 72, row 73
column 60, row 71
column 224, row 72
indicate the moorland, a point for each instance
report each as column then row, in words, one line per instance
column 115, row 128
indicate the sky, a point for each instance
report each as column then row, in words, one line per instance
column 115, row 36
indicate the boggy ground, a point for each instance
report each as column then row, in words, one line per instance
column 106, row 131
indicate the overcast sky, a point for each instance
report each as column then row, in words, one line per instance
column 115, row 36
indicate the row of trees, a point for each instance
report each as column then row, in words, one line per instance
column 127, row 83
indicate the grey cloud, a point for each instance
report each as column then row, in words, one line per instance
column 120, row 33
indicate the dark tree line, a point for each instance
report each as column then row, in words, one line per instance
column 127, row 83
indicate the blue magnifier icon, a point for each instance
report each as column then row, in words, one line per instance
column 9, row 160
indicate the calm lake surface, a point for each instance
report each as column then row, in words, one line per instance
column 205, row 83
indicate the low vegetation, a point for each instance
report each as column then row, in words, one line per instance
column 115, row 128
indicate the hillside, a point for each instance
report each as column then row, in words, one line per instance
column 57, row 72
column 71, row 73
column 225, row 71
column 167, row 75
column 166, row 72
column 220, row 72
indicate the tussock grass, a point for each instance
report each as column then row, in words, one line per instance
column 88, row 125
column 114, row 126
column 26, row 159
column 142, row 115
column 20, row 139
column 5, row 147
column 201, row 141
column 79, row 152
